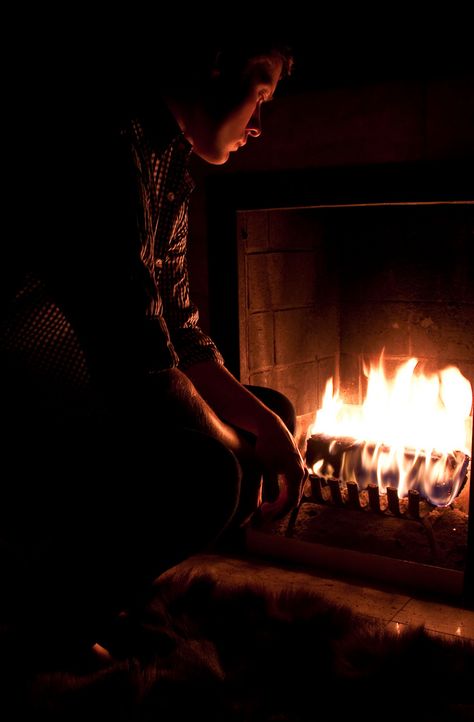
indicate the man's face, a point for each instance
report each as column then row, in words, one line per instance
column 232, row 113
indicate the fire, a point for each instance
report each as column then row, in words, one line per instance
column 412, row 431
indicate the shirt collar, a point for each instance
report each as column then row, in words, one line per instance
column 162, row 129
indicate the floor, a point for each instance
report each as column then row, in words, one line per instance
column 396, row 609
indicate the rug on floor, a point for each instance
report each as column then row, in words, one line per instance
column 211, row 652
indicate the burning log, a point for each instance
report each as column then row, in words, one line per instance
column 369, row 464
column 320, row 447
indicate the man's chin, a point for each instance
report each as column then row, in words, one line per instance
column 221, row 160
column 215, row 157
column 216, row 154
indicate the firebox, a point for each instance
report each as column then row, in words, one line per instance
column 337, row 274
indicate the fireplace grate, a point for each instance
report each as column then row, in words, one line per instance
column 340, row 493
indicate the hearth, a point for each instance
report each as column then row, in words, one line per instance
column 330, row 269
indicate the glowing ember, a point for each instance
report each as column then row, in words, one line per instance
column 411, row 432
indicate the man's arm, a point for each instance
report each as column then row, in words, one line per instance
column 181, row 404
column 275, row 449
column 182, row 317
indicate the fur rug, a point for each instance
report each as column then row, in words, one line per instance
column 202, row 651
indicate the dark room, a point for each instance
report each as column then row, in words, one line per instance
column 237, row 344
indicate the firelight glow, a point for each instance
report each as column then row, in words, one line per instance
column 409, row 430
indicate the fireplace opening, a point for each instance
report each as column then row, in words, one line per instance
column 327, row 291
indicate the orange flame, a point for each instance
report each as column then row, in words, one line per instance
column 412, row 431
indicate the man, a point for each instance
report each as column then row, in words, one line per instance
column 216, row 122
column 125, row 405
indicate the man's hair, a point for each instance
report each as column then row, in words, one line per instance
column 238, row 55
column 192, row 62
column 143, row 65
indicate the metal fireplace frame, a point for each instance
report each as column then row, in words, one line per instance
column 421, row 183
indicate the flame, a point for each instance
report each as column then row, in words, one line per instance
column 412, row 431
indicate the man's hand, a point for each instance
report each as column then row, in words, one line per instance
column 272, row 448
column 278, row 454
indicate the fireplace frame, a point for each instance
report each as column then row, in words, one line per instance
column 421, row 183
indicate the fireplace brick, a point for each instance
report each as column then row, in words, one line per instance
column 279, row 280
column 368, row 328
column 303, row 334
column 294, row 229
column 261, row 342
column 300, row 383
column 407, row 254
column 350, row 375
column 253, row 226
column 442, row 331
column 263, row 378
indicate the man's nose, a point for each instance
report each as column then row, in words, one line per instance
column 254, row 126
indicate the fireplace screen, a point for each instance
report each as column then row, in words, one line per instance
column 362, row 314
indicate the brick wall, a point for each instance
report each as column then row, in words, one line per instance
column 288, row 307
column 406, row 287
column 323, row 291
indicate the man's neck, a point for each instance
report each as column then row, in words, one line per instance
column 178, row 111
column 186, row 112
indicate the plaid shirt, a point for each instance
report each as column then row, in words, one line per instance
column 160, row 155
column 104, row 299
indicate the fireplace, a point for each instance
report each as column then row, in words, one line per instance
column 330, row 268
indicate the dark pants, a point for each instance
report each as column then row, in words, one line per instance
column 95, row 511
